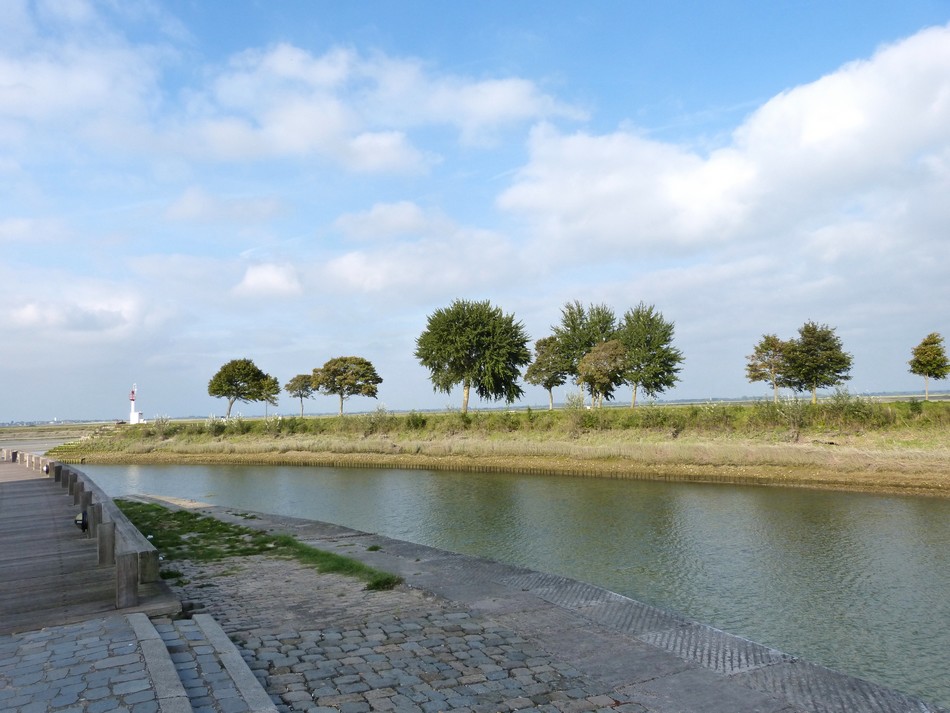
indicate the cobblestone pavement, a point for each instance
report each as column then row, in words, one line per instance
column 92, row 667
column 322, row 643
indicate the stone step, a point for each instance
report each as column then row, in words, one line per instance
column 214, row 676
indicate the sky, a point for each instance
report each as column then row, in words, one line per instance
column 187, row 182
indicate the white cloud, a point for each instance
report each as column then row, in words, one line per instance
column 391, row 220
column 196, row 204
column 457, row 261
column 269, row 280
column 811, row 155
column 33, row 230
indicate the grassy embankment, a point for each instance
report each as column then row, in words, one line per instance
column 844, row 442
column 184, row 535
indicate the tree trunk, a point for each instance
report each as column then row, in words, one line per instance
column 775, row 392
column 926, row 388
column 550, row 399
column 633, row 403
column 230, row 404
column 465, row 388
column 814, row 394
column 301, row 407
column 341, row 404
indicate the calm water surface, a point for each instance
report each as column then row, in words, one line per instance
column 860, row 583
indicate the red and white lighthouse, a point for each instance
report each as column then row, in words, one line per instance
column 134, row 416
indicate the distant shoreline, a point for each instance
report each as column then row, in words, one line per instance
column 845, row 443
column 833, row 474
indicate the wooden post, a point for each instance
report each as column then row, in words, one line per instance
column 95, row 518
column 13, row 456
column 58, row 473
column 78, row 491
column 148, row 566
column 106, row 540
column 126, row 580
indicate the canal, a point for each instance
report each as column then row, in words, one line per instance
column 856, row 582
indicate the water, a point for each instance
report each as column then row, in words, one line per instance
column 856, row 582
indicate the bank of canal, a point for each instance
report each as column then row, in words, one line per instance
column 829, row 576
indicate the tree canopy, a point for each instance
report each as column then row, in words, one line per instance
column 767, row 363
column 346, row 376
column 601, row 370
column 816, row 359
column 581, row 328
column 929, row 360
column 549, row 369
column 652, row 362
column 242, row 380
column 300, row 387
column 476, row 345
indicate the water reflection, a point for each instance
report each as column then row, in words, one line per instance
column 853, row 581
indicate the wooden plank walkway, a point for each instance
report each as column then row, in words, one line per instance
column 49, row 570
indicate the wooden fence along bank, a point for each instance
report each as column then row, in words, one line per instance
column 62, row 540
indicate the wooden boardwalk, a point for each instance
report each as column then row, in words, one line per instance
column 49, row 570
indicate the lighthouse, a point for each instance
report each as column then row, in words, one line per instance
column 134, row 416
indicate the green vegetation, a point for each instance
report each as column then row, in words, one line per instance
column 241, row 380
column 816, row 360
column 346, row 376
column 476, row 345
column 300, row 387
column 601, row 354
column 929, row 360
column 185, row 535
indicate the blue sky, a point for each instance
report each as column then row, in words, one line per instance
column 183, row 183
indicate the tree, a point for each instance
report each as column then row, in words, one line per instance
column 601, row 370
column 300, row 387
column 580, row 330
column 767, row 363
column 548, row 370
column 269, row 388
column 816, row 359
column 652, row 361
column 476, row 345
column 241, row 380
column 346, row 376
column 929, row 360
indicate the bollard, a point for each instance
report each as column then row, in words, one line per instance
column 126, row 580
column 78, row 490
column 57, row 473
column 106, row 541
column 65, row 480
column 13, row 456
column 95, row 518
column 148, row 566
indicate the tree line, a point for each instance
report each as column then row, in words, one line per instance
column 475, row 345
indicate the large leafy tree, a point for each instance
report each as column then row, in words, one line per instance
column 601, row 370
column 816, row 360
column 653, row 363
column 476, row 345
column 242, row 380
column 767, row 363
column 300, row 387
column 582, row 328
column 346, row 376
column 929, row 360
column 548, row 370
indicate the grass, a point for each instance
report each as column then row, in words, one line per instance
column 185, row 535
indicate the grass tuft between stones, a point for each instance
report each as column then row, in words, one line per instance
column 185, row 535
